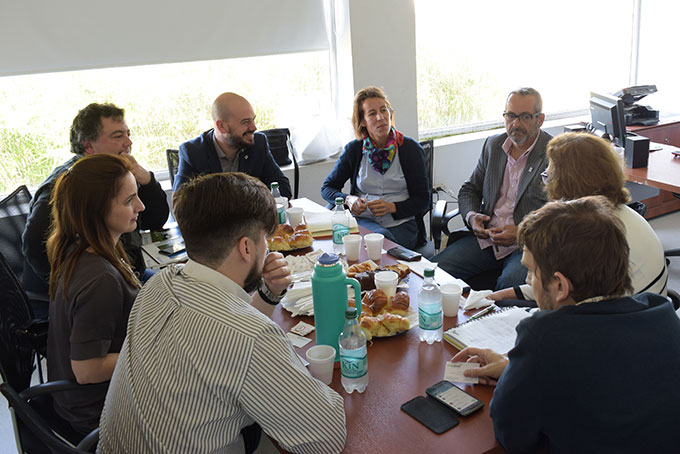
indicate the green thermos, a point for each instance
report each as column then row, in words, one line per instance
column 329, row 292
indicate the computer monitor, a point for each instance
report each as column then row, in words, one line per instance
column 606, row 112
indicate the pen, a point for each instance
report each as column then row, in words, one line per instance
column 484, row 311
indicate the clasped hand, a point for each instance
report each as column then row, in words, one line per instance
column 276, row 273
column 379, row 207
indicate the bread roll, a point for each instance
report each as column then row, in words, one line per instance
column 400, row 304
column 395, row 323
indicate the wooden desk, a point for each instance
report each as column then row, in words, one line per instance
column 662, row 172
column 399, row 369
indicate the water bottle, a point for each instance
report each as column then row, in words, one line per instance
column 353, row 362
column 281, row 202
column 340, row 225
column 430, row 317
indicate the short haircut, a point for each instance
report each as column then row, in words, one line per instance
column 527, row 91
column 81, row 200
column 215, row 211
column 88, row 124
column 358, row 110
column 582, row 165
column 585, row 241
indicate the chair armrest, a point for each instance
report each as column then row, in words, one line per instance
column 89, row 443
column 49, row 388
column 440, row 221
column 674, row 298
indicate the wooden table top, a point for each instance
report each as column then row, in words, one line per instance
column 401, row 368
column 662, row 171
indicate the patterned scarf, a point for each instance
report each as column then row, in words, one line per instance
column 381, row 158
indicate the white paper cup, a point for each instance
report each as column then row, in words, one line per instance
column 450, row 299
column 321, row 361
column 387, row 282
column 352, row 247
column 295, row 215
column 374, row 242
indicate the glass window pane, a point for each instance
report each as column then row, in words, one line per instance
column 471, row 54
column 165, row 105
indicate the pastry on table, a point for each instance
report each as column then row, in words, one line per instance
column 400, row 304
column 278, row 243
column 360, row 268
column 395, row 323
column 287, row 238
column 376, row 300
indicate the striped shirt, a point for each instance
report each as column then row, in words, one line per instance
column 199, row 363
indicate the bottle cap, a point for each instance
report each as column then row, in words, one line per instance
column 350, row 313
column 339, row 200
column 274, row 184
column 429, row 272
column 328, row 259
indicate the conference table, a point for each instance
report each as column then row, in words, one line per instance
column 401, row 368
column 662, row 171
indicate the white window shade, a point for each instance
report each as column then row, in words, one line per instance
column 77, row 34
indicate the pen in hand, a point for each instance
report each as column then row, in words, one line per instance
column 484, row 311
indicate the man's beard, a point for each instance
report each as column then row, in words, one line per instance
column 238, row 142
column 253, row 279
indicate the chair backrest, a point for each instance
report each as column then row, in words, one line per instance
column 39, row 429
column 172, row 157
column 14, row 210
column 16, row 353
column 282, row 150
column 428, row 150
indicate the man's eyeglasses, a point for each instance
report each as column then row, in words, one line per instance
column 524, row 116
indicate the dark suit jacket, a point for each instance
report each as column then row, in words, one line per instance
column 198, row 156
column 481, row 191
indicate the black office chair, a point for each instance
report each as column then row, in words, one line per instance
column 282, row 149
column 172, row 156
column 18, row 347
column 428, row 249
column 14, row 210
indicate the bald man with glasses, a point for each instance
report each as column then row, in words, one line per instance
column 505, row 186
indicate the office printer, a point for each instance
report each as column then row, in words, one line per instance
column 633, row 113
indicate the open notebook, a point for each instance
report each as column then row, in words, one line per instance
column 495, row 331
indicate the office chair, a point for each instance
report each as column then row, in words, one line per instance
column 14, row 210
column 282, row 150
column 172, row 156
column 19, row 343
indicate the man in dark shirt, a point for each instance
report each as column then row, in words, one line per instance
column 595, row 370
column 98, row 128
column 231, row 146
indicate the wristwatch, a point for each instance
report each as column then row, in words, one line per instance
column 267, row 295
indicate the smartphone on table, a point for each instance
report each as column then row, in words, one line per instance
column 402, row 253
column 455, row 398
column 171, row 249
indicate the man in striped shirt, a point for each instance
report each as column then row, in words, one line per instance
column 201, row 370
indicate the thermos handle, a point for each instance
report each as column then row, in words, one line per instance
column 357, row 293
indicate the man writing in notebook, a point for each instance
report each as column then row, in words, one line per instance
column 595, row 370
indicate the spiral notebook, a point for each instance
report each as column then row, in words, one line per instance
column 495, row 331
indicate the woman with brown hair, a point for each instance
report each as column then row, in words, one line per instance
column 92, row 286
column 389, row 187
column 581, row 165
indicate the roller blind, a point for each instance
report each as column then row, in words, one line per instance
column 41, row 36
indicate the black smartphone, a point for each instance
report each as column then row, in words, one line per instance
column 455, row 398
column 171, row 249
column 402, row 253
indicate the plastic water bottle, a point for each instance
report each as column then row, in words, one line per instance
column 340, row 225
column 281, row 202
column 353, row 362
column 430, row 317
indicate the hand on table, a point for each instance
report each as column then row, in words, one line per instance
column 504, row 236
column 276, row 273
column 477, row 221
column 505, row 294
column 142, row 175
column 357, row 205
column 492, row 364
column 380, row 208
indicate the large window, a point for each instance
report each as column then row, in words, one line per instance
column 165, row 105
column 471, row 54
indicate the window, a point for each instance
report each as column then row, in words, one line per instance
column 165, row 105
column 471, row 54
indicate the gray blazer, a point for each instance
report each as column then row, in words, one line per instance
column 480, row 192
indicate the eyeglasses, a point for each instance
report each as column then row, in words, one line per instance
column 544, row 176
column 524, row 116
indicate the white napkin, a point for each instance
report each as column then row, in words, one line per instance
column 478, row 299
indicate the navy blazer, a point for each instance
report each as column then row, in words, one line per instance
column 198, row 156
column 412, row 160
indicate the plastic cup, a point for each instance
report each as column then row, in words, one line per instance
column 352, row 247
column 450, row 299
column 321, row 361
column 387, row 282
column 374, row 242
column 295, row 215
